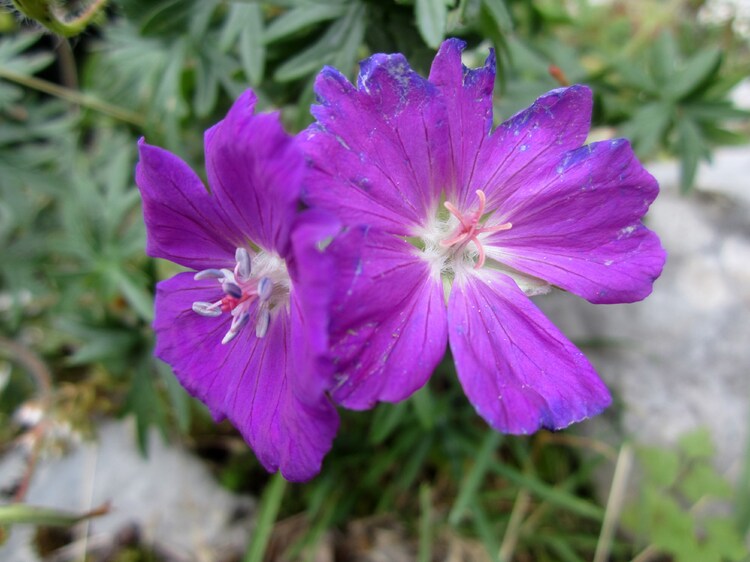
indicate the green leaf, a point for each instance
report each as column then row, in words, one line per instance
column 200, row 18
column 648, row 127
column 9, row 94
column 500, row 14
column 742, row 503
column 703, row 480
column 432, row 18
column 14, row 61
column 714, row 111
column 168, row 105
column 164, row 17
column 135, row 293
column 179, row 399
column 143, row 401
column 697, row 444
column 252, row 46
column 661, row 465
column 691, row 148
column 635, row 77
column 723, row 541
column 664, row 59
column 206, row 86
column 100, row 344
column 345, row 57
column 29, row 64
column 553, row 13
column 671, row 527
column 339, row 42
column 698, row 71
column 301, row 18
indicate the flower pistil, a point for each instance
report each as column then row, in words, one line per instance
column 470, row 227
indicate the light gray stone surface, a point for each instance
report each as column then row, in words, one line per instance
column 681, row 359
column 170, row 497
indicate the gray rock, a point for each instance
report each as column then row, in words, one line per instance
column 170, row 498
column 680, row 360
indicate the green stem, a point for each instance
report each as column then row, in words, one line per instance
column 18, row 513
column 43, row 12
column 73, row 96
column 269, row 509
column 33, row 365
column 425, row 523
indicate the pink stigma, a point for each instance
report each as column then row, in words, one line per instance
column 470, row 228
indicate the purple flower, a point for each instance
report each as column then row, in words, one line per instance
column 464, row 223
column 245, row 332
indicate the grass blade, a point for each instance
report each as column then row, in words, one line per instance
column 474, row 478
column 269, row 509
column 550, row 494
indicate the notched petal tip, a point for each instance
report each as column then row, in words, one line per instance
column 453, row 43
column 448, row 69
column 371, row 65
column 491, row 61
column 391, row 82
column 329, row 84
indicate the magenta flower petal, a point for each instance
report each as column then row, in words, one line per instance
column 388, row 324
column 578, row 226
column 314, row 272
column 255, row 172
column 378, row 151
column 182, row 225
column 247, row 380
column 468, row 97
column 518, row 371
column 555, row 123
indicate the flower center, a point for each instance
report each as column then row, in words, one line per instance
column 254, row 288
column 470, row 227
column 451, row 242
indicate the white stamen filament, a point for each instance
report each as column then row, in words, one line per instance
column 208, row 309
column 261, row 324
column 243, row 268
column 245, row 292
